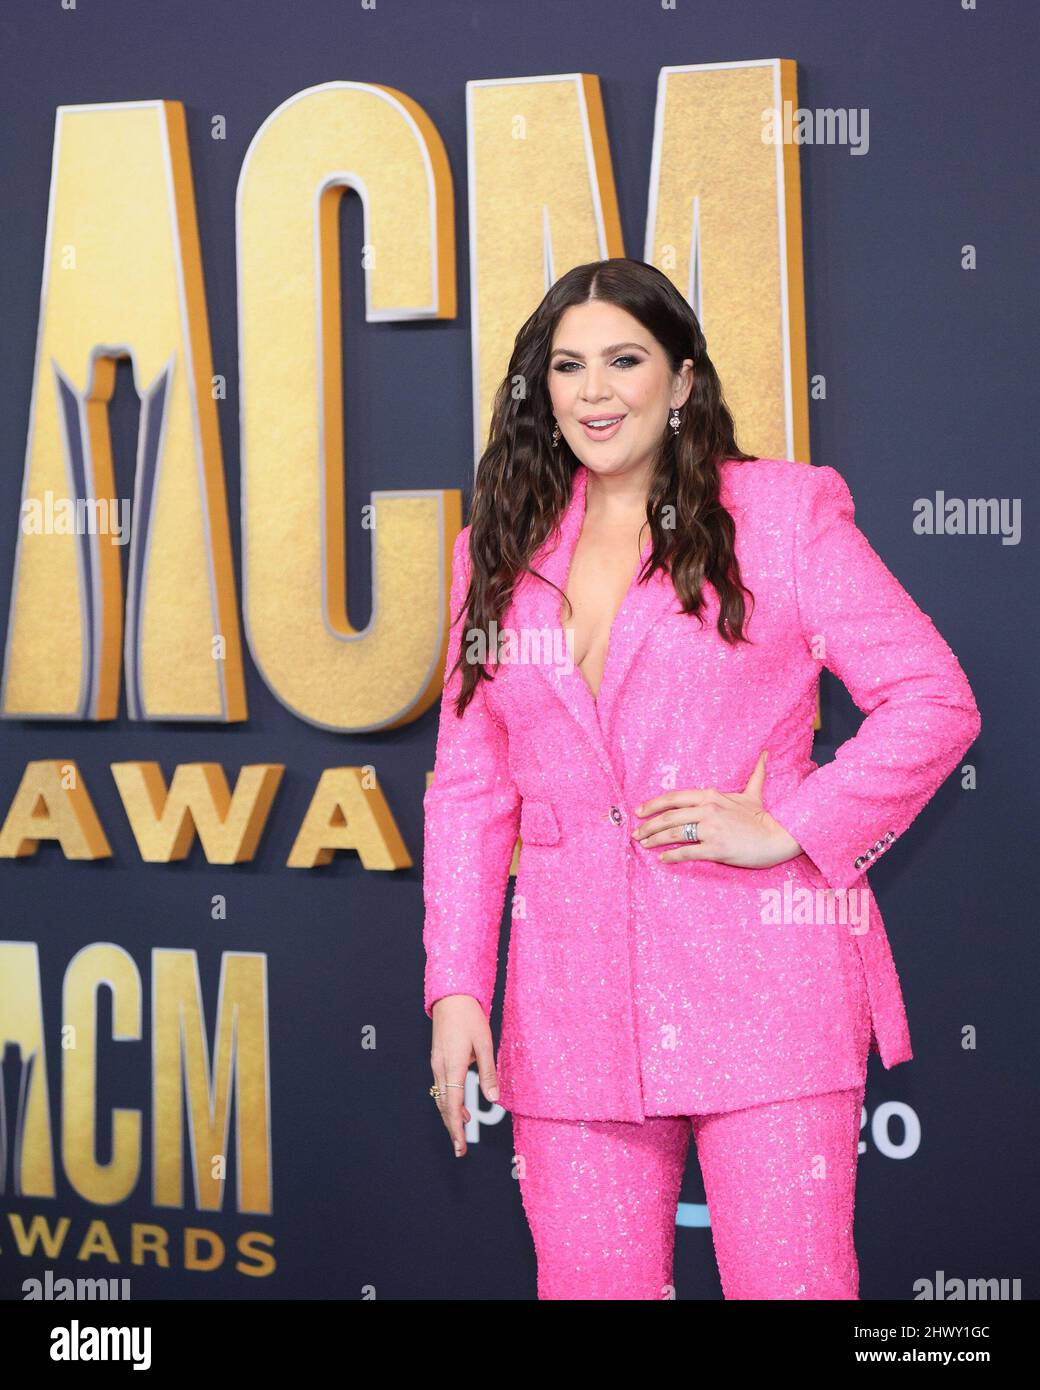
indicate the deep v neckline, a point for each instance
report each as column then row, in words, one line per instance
column 643, row 556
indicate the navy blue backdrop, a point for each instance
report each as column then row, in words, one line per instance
column 930, row 380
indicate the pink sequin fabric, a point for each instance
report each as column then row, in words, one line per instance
column 600, row 1199
column 636, row 988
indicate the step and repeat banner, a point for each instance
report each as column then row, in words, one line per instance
column 262, row 270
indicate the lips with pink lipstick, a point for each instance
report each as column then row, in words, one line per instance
column 602, row 426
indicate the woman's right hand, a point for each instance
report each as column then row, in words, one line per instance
column 461, row 1034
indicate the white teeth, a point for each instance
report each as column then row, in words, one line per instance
column 597, row 424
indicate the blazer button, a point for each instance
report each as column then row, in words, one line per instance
column 616, row 815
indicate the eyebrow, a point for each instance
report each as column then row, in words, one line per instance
column 614, row 347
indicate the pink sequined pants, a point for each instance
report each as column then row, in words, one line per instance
column 601, row 1197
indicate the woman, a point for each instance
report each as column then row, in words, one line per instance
column 693, row 945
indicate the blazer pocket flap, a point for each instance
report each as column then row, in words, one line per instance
column 538, row 824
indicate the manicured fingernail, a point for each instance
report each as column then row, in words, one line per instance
column 492, row 1093
column 458, row 1150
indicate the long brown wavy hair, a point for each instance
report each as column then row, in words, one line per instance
column 523, row 484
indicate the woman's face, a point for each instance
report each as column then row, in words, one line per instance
column 605, row 366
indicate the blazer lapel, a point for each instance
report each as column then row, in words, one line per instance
column 641, row 609
column 644, row 606
column 536, row 610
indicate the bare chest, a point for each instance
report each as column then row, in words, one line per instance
column 601, row 573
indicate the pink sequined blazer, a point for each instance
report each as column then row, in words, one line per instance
column 635, row 987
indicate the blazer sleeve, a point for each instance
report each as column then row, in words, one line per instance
column 471, row 822
column 921, row 715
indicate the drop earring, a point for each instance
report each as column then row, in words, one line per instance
column 555, row 436
column 675, row 420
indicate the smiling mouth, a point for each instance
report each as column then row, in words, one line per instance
column 604, row 427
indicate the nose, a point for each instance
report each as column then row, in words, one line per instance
column 593, row 389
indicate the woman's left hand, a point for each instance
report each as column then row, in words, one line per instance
column 732, row 827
